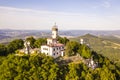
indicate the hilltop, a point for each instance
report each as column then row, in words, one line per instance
column 108, row 46
column 106, row 43
column 79, row 63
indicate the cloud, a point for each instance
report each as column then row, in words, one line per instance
column 102, row 4
column 14, row 9
column 106, row 4
column 17, row 18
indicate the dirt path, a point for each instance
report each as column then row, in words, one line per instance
column 66, row 60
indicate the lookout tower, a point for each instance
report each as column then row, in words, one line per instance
column 54, row 31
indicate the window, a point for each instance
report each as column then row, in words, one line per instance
column 45, row 49
column 53, row 49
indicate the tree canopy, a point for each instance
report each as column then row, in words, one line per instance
column 63, row 40
column 43, row 67
column 32, row 40
column 3, row 50
column 73, row 48
column 37, row 67
column 39, row 42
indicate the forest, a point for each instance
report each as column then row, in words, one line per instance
column 42, row 67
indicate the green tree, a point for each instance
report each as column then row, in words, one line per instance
column 71, row 48
column 39, row 42
column 85, row 51
column 88, row 76
column 37, row 67
column 3, row 50
column 14, row 45
column 32, row 40
column 105, row 74
column 73, row 73
column 63, row 40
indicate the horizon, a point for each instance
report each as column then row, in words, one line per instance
column 77, row 14
column 58, row 29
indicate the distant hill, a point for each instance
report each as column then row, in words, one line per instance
column 9, row 35
column 3, row 37
column 113, row 38
column 13, row 33
column 107, row 46
column 94, row 32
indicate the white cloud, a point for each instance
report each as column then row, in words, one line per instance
column 13, row 9
column 16, row 18
column 102, row 4
column 106, row 4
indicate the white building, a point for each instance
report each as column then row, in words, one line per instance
column 53, row 47
column 82, row 41
column 91, row 63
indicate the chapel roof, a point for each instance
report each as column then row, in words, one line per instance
column 55, row 45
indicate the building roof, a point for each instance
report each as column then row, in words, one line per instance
column 58, row 44
column 55, row 45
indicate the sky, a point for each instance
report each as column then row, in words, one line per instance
column 67, row 14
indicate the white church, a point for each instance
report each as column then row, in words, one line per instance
column 53, row 47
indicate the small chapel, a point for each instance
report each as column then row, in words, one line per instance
column 53, row 47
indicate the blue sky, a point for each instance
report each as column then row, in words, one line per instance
column 68, row 14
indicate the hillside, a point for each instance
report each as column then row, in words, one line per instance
column 79, row 62
column 107, row 46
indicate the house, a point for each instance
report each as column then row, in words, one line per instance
column 53, row 47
